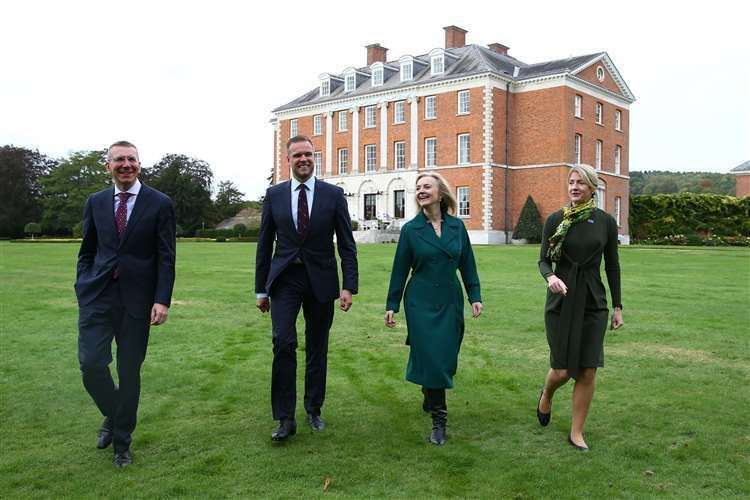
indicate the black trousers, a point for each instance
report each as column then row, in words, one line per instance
column 290, row 291
column 98, row 323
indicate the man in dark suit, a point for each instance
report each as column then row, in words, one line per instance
column 302, row 215
column 126, row 270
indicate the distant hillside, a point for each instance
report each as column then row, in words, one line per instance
column 657, row 182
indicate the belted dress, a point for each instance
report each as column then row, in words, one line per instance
column 576, row 322
column 433, row 300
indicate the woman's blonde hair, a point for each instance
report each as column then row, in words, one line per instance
column 588, row 174
column 447, row 200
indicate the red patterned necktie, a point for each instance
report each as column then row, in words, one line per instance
column 121, row 215
column 303, row 216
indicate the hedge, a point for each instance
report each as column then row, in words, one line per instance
column 690, row 219
column 225, row 233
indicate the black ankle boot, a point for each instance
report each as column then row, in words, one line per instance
column 439, row 421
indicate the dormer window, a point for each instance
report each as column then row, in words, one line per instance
column 325, row 88
column 350, row 82
column 377, row 74
column 407, row 68
column 437, row 62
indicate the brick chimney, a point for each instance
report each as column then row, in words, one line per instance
column 376, row 53
column 454, row 37
column 499, row 48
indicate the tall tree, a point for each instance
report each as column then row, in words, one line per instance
column 21, row 170
column 188, row 181
column 68, row 185
column 229, row 200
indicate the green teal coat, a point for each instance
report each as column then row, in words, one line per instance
column 433, row 300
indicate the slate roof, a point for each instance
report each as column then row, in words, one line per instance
column 742, row 167
column 459, row 62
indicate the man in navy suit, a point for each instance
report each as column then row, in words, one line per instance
column 302, row 215
column 124, row 280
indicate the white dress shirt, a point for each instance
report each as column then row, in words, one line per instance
column 310, row 183
column 134, row 190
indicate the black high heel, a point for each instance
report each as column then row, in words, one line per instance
column 543, row 418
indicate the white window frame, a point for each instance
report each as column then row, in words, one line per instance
column 399, row 113
column 437, row 64
column 318, row 162
column 430, row 111
column 399, row 157
column 325, row 88
column 317, row 124
column 395, row 203
column 370, row 117
column 577, row 147
column 350, row 82
column 293, row 129
column 578, row 106
column 430, row 157
column 601, row 196
column 343, row 160
column 464, row 151
column 377, row 76
column 598, row 154
column 618, row 159
column 464, row 102
column 599, row 113
column 343, row 119
column 618, row 120
column 406, row 70
column 371, row 158
column 463, row 201
column 618, row 211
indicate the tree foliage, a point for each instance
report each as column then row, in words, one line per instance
column 689, row 218
column 658, row 182
column 529, row 225
column 67, row 187
column 229, row 200
column 188, row 181
column 21, row 171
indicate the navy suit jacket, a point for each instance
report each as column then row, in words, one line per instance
column 144, row 256
column 329, row 214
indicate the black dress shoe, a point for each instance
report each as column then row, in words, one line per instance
column 579, row 448
column 104, row 437
column 316, row 423
column 543, row 417
column 122, row 459
column 286, row 428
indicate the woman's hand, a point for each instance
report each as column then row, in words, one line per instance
column 389, row 319
column 476, row 309
column 616, row 319
column 556, row 285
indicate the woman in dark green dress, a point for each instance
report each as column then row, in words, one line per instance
column 432, row 246
column 573, row 242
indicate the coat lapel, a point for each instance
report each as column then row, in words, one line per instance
column 427, row 234
column 286, row 209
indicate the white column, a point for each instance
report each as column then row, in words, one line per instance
column 354, row 153
column 277, row 127
column 383, row 135
column 414, row 141
column 329, row 143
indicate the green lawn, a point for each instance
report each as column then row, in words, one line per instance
column 669, row 418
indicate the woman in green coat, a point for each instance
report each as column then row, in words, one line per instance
column 432, row 246
column 574, row 240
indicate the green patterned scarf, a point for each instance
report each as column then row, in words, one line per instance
column 571, row 215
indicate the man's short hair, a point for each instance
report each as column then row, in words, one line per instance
column 125, row 144
column 298, row 138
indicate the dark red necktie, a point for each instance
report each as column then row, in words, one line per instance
column 121, row 215
column 303, row 216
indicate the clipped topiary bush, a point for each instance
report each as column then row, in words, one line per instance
column 529, row 225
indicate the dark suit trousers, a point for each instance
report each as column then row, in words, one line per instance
column 290, row 291
column 98, row 323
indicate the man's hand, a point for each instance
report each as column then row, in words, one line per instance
column 159, row 314
column 263, row 304
column 345, row 300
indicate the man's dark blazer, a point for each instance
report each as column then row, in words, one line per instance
column 329, row 214
column 144, row 256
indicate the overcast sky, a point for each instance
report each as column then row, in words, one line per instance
column 201, row 78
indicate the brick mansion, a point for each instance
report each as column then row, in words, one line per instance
column 496, row 128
